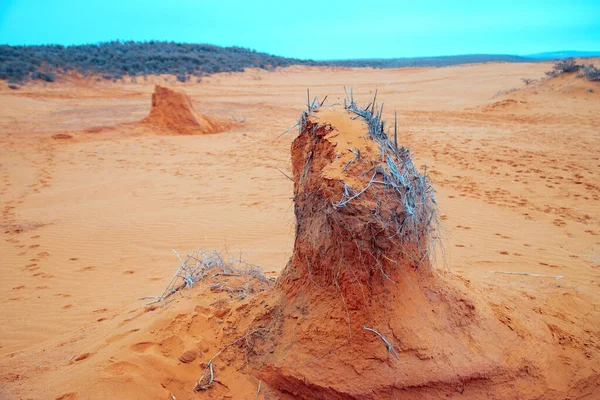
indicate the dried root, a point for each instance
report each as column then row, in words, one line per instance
column 388, row 345
column 208, row 377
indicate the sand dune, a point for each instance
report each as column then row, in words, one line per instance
column 88, row 222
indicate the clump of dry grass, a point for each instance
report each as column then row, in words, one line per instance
column 397, row 171
column 417, row 228
column 201, row 264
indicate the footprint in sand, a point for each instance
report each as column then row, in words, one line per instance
column 82, row 357
column 142, row 346
column 129, row 272
column 122, row 368
column 68, row 396
column 89, row 268
column 120, row 336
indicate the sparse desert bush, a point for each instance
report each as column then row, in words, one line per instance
column 527, row 81
column 564, row 66
column 114, row 60
column 589, row 72
column 13, row 86
column 182, row 78
column 44, row 76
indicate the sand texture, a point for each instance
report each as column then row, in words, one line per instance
column 99, row 181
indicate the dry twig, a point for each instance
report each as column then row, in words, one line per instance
column 526, row 274
column 208, row 377
column 202, row 264
column 389, row 346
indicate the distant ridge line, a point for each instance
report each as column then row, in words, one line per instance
column 117, row 60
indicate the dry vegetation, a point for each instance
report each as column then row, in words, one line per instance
column 117, row 60
column 569, row 65
column 201, row 264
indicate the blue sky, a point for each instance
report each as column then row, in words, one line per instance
column 314, row 29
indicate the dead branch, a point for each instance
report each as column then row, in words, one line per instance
column 286, row 175
column 289, row 129
column 389, row 346
column 206, row 264
column 208, row 377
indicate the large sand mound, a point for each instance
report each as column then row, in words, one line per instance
column 361, row 314
column 172, row 111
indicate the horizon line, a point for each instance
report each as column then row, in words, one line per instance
column 591, row 53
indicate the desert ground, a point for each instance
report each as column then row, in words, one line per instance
column 93, row 203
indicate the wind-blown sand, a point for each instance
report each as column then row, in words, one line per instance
column 92, row 204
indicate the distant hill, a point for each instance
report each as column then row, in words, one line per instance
column 117, row 60
column 554, row 55
column 440, row 61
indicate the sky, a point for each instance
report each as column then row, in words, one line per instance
column 319, row 30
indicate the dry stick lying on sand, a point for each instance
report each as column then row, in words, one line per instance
column 526, row 274
column 390, row 348
column 258, row 391
column 200, row 384
column 286, row 175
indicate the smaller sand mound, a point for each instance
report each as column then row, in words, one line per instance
column 172, row 111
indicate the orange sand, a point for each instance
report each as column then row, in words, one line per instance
column 172, row 111
column 88, row 221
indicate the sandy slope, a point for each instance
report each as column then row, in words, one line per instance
column 88, row 222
